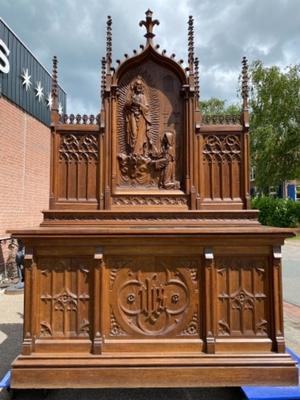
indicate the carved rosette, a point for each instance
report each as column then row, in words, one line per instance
column 154, row 301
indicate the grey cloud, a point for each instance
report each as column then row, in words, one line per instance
column 224, row 32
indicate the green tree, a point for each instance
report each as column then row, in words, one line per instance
column 275, row 123
column 216, row 106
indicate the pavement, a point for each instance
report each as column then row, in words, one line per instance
column 11, row 311
column 291, row 271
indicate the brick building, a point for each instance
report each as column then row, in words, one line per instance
column 25, row 101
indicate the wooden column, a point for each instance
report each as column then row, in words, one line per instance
column 29, row 301
column 277, row 305
column 209, row 301
column 97, row 276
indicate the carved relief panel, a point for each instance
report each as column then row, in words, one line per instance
column 149, row 128
column 64, row 298
column 153, row 297
column 222, row 166
column 78, row 158
column 242, row 302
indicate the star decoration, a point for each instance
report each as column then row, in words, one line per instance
column 60, row 109
column 49, row 101
column 26, row 79
column 39, row 91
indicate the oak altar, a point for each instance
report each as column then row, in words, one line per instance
column 149, row 269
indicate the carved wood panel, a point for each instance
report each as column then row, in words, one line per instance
column 154, row 296
column 149, row 128
column 242, row 296
column 222, row 167
column 77, row 168
column 64, row 298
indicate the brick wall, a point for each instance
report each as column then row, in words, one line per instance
column 24, row 168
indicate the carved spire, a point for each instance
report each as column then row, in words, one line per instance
column 108, row 43
column 197, row 87
column 149, row 24
column 245, row 86
column 54, row 92
column 103, row 78
column 191, row 43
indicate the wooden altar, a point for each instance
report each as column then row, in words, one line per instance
column 149, row 269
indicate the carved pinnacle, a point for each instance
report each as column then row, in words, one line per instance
column 149, row 24
column 245, row 87
column 54, row 86
column 197, row 88
column 103, row 68
column 191, row 42
column 108, row 42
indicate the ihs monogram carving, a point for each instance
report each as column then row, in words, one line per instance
column 222, row 147
column 154, row 303
column 79, row 148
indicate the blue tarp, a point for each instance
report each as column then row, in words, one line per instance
column 274, row 392
column 5, row 381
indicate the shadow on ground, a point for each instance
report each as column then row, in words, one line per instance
column 10, row 345
column 132, row 394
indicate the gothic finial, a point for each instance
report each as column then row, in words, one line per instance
column 54, row 92
column 149, row 24
column 245, row 87
column 197, row 87
column 108, row 43
column 191, row 43
column 103, row 79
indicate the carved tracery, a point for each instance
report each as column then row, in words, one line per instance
column 222, row 147
column 78, row 147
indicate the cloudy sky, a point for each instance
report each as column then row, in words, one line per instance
column 225, row 30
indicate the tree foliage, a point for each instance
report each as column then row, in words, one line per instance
column 216, row 106
column 275, row 123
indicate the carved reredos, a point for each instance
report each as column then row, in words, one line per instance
column 152, row 147
column 147, row 93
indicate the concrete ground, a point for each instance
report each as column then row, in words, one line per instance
column 291, row 271
column 11, row 311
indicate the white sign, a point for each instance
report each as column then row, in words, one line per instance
column 4, row 62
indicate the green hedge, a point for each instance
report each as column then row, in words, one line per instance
column 277, row 212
